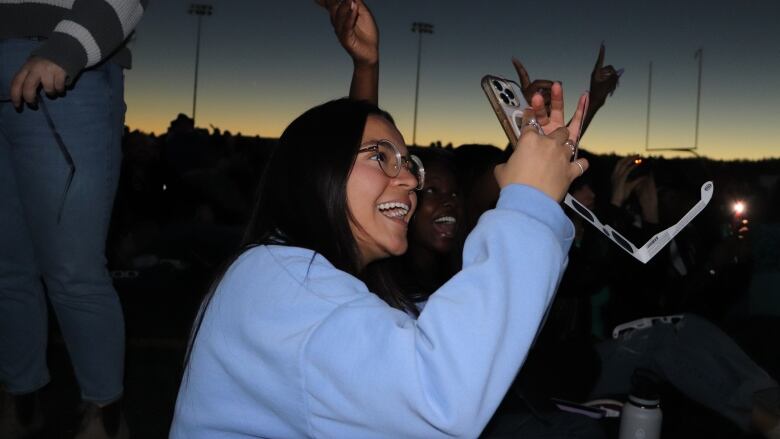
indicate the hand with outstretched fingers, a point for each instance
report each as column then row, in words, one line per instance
column 529, row 88
column 543, row 160
column 603, row 79
column 603, row 82
column 551, row 119
column 355, row 28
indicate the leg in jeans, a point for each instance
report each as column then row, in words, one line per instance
column 23, row 320
column 694, row 356
column 71, row 252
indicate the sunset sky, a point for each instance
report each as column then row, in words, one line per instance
column 262, row 63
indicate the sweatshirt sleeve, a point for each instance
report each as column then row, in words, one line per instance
column 372, row 371
column 89, row 32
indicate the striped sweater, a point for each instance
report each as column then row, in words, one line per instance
column 78, row 33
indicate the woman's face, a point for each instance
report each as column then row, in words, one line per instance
column 436, row 221
column 381, row 206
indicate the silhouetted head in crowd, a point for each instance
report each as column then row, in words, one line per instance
column 478, row 184
column 138, row 147
column 773, row 215
column 677, row 194
column 181, row 125
column 582, row 190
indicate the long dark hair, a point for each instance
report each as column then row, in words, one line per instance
column 302, row 198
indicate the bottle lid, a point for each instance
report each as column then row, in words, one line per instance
column 645, row 403
column 644, row 387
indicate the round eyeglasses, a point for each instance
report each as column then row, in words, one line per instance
column 391, row 161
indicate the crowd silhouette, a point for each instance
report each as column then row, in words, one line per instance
column 183, row 201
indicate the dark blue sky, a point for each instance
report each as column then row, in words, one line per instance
column 264, row 62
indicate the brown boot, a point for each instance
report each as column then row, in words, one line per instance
column 106, row 422
column 20, row 415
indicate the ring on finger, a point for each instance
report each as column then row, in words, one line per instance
column 572, row 145
column 532, row 122
column 582, row 170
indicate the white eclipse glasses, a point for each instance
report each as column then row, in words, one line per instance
column 658, row 241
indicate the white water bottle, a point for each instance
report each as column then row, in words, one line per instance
column 641, row 416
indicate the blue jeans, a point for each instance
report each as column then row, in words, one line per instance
column 64, row 258
column 694, row 356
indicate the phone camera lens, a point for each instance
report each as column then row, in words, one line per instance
column 510, row 94
column 497, row 85
column 504, row 98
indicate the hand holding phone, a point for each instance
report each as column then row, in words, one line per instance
column 541, row 161
column 506, row 99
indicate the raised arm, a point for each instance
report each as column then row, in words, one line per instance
column 539, row 92
column 603, row 82
column 357, row 32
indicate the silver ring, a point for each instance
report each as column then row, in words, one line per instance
column 573, row 146
column 582, row 170
column 533, row 123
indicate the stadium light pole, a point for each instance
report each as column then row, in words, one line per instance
column 699, row 54
column 649, row 94
column 420, row 28
column 200, row 10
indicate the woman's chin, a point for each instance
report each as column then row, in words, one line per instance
column 396, row 248
column 400, row 249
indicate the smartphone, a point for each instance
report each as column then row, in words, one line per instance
column 506, row 99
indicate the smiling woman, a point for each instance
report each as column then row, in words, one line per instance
column 437, row 222
column 436, row 229
column 307, row 335
column 380, row 196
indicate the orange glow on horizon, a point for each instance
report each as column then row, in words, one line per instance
column 611, row 132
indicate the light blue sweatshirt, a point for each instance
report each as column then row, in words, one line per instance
column 292, row 347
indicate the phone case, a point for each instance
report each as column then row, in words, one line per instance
column 506, row 99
